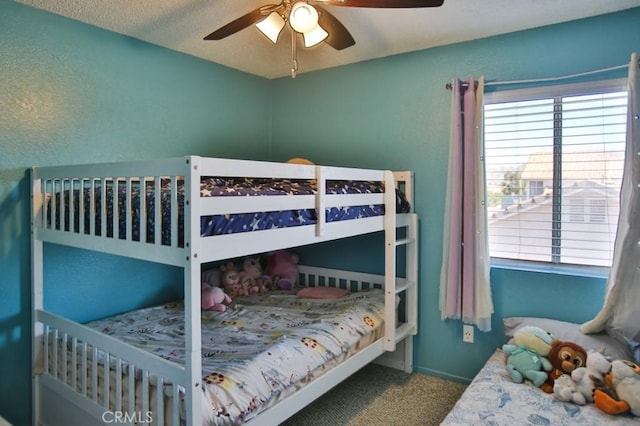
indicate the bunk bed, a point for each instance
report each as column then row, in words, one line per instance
column 191, row 212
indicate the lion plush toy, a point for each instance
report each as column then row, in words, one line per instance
column 527, row 358
column 564, row 358
column 621, row 391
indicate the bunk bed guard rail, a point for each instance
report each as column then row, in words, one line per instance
column 74, row 207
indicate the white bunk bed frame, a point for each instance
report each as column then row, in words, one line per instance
column 56, row 401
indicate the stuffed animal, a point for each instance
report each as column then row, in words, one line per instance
column 564, row 358
column 527, row 358
column 250, row 273
column 213, row 298
column 299, row 160
column 565, row 389
column 282, row 267
column 593, row 373
column 230, row 280
column 211, row 277
column 621, row 392
column 264, row 284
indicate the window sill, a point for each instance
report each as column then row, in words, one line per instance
column 547, row 268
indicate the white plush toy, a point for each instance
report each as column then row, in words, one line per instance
column 587, row 377
column 623, row 392
column 564, row 389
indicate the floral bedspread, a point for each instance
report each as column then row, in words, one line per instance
column 493, row 399
column 261, row 349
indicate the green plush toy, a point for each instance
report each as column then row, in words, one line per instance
column 527, row 358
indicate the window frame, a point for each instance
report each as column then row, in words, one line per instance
column 547, row 91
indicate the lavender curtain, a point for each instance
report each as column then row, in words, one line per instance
column 620, row 315
column 465, row 289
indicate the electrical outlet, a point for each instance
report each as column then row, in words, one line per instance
column 467, row 333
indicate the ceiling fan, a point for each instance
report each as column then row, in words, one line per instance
column 308, row 18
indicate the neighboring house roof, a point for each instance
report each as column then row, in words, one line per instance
column 596, row 166
column 526, row 204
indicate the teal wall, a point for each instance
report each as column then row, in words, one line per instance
column 394, row 113
column 71, row 93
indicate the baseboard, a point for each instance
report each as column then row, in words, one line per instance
column 442, row 375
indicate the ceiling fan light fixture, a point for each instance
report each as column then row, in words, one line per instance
column 315, row 36
column 303, row 17
column 271, row 26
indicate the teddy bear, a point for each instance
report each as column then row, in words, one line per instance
column 264, row 284
column 282, row 267
column 249, row 275
column 565, row 389
column 230, row 280
column 564, row 358
column 213, row 298
column 593, row 373
column 621, row 390
column 527, row 358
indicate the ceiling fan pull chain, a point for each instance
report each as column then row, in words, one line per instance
column 294, row 55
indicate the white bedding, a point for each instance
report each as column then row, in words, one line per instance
column 493, row 398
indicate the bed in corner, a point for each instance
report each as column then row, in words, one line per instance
column 492, row 398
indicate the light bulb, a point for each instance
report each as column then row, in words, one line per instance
column 303, row 17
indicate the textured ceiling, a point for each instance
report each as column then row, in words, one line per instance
column 181, row 25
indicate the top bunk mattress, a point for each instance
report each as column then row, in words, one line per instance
column 144, row 200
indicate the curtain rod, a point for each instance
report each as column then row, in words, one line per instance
column 449, row 86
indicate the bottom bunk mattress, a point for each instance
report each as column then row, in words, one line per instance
column 493, row 398
column 260, row 350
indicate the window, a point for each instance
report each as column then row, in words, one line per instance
column 554, row 159
column 536, row 187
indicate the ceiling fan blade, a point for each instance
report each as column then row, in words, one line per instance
column 339, row 38
column 388, row 4
column 243, row 22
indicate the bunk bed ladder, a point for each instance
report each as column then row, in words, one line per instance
column 399, row 329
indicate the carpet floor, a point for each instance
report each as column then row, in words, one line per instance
column 378, row 395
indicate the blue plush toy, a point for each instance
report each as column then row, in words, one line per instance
column 527, row 358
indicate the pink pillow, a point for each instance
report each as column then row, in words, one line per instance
column 322, row 292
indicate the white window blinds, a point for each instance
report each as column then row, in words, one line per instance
column 554, row 169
